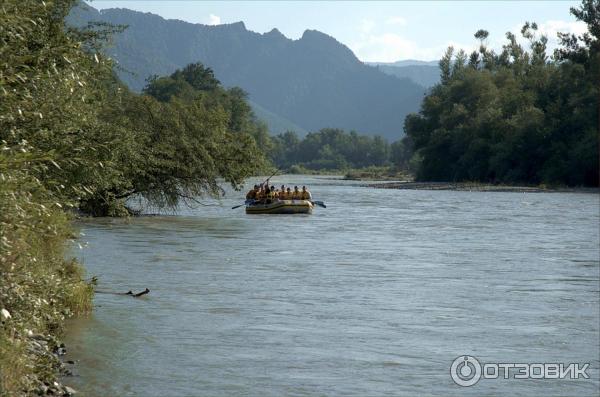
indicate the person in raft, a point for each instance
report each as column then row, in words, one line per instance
column 269, row 193
column 259, row 192
column 281, row 195
column 253, row 193
column 296, row 193
column 305, row 195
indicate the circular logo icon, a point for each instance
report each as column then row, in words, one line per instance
column 465, row 371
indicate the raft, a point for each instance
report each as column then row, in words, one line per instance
column 280, row 207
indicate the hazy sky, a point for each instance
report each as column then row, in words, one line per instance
column 376, row 31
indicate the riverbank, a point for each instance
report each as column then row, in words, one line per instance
column 39, row 289
column 35, row 303
column 479, row 187
column 372, row 173
column 377, row 174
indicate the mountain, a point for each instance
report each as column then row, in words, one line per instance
column 425, row 73
column 277, row 124
column 313, row 82
column 407, row 62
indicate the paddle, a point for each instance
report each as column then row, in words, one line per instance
column 319, row 203
column 267, row 180
column 251, row 201
column 241, row 205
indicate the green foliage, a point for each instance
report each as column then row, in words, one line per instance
column 91, row 136
column 376, row 173
column 72, row 136
column 187, row 83
column 183, row 148
column 51, row 147
column 178, row 141
column 39, row 287
column 50, row 101
column 401, row 154
column 329, row 149
column 514, row 117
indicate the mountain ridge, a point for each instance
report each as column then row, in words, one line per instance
column 314, row 81
column 405, row 62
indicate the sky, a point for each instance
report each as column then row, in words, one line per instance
column 385, row 31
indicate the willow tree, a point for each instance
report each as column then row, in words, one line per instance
column 52, row 93
column 180, row 140
column 177, row 151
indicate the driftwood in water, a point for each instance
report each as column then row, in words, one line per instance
column 144, row 292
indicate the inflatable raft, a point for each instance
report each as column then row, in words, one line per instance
column 280, row 207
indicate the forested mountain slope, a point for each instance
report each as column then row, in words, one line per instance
column 314, row 82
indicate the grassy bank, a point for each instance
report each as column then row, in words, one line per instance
column 39, row 288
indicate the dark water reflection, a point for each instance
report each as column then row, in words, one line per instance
column 375, row 295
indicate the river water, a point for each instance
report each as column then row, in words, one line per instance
column 374, row 296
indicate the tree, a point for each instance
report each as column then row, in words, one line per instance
column 517, row 116
column 53, row 151
column 401, row 153
column 181, row 140
column 330, row 148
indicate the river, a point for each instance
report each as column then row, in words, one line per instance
column 375, row 295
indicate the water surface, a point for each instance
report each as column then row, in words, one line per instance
column 373, row 296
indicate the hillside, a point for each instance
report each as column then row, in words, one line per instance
column 313, row 82
column 424, row 74
column 277, row 124
column 406, row 62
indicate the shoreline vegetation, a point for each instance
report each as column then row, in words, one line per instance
column 74, row 139
column 480, row 187
column 516, row 116
column 372, row 173
column 390, row 178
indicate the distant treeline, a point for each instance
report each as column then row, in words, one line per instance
column 518, row 116
column 334, row 149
